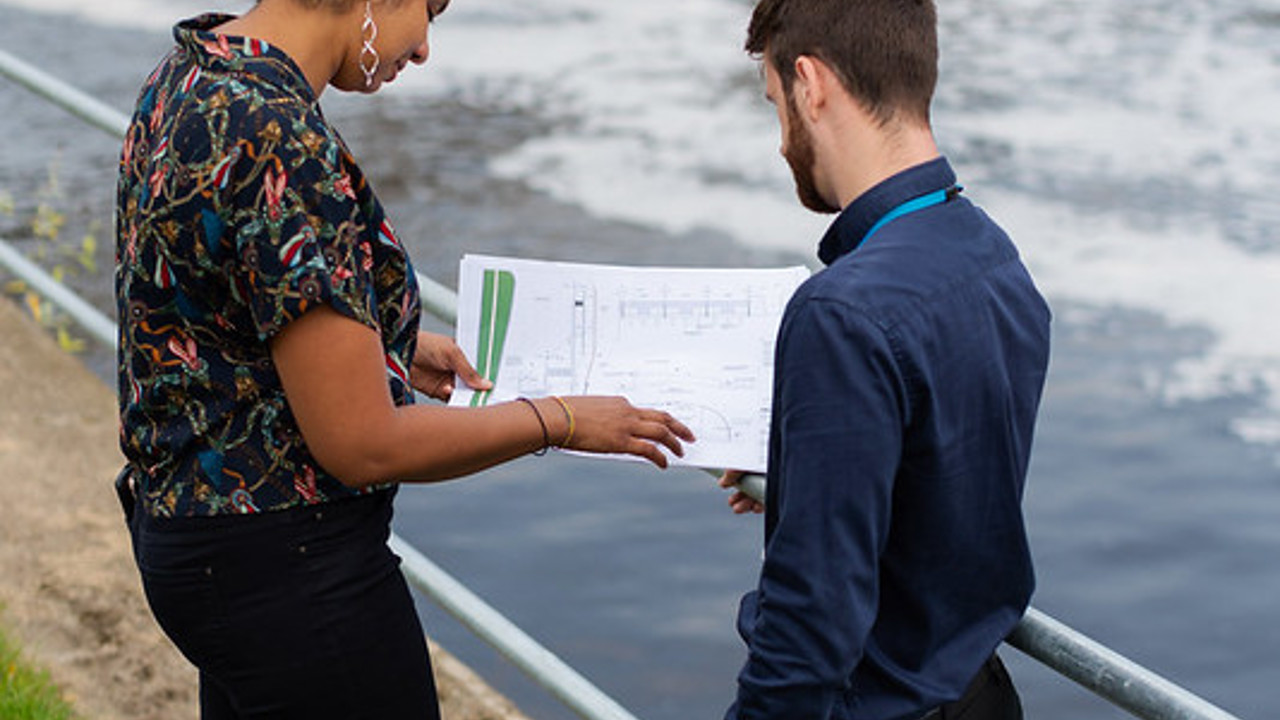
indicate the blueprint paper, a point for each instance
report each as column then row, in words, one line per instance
column 695, row 342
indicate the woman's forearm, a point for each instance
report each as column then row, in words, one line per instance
column 334, row 375
column 429, row 443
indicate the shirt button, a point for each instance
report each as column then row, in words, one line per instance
column 302, row 549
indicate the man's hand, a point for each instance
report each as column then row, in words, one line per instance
column 740, row 502
column 436, row 361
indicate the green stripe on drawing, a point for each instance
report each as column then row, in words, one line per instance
column 496, row 299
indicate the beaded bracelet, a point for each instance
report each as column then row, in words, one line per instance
column 546, row 439
column 572, row 423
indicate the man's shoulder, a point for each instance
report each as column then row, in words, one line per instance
column 905, row 275
column 834, row 300
column 859, row 284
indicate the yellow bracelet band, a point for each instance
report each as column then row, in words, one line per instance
column 572, row 423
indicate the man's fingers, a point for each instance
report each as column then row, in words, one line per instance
column 730, row 478
column 741, row 503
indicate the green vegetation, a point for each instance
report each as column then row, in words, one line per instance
column 60, row 256
column 27, row 693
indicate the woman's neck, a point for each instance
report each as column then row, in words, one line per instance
column 314, row 39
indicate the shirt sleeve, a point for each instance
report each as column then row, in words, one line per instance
column 840, row 415
column 298, row 228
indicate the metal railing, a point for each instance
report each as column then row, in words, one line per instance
column 1071, row 654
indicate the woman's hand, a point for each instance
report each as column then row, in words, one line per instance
column 614, row 425
column 740, row 502
column 334, row 374
column 436, row 361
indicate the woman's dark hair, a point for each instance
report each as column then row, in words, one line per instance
column 885, row 52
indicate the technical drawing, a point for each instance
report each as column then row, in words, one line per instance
column 697, row 343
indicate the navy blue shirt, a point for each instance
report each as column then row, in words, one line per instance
column 907, row 378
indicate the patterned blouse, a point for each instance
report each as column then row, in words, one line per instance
column 239, row 208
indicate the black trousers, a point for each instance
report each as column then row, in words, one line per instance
column 990, row 696
column 296, row 614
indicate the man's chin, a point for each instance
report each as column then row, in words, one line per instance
column 815, row 202
column 807, row 190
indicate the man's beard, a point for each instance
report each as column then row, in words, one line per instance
column 801, row 157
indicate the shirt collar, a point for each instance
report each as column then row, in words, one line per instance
column 231, row 54
column 848, row 229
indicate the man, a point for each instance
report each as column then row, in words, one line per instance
column 907, row 379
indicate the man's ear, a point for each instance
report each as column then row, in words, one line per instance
column 811, row 86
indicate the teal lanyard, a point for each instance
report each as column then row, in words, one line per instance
column 910, row 206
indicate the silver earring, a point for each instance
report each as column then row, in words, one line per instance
column 369, row 59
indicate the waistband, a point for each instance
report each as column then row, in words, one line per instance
column 332, row 510
column 992, row 669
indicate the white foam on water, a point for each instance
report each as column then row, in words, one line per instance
column 1189, row 277
column 660, row 126
column 1132, row 149
column 1162, row 115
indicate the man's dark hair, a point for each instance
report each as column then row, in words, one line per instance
column 885, row 52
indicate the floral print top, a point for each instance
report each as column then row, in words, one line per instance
column 239, row 208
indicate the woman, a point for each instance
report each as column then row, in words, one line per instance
column 269, row 348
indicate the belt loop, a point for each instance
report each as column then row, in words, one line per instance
column 126, row 493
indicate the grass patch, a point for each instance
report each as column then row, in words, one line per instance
column 25, row 692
